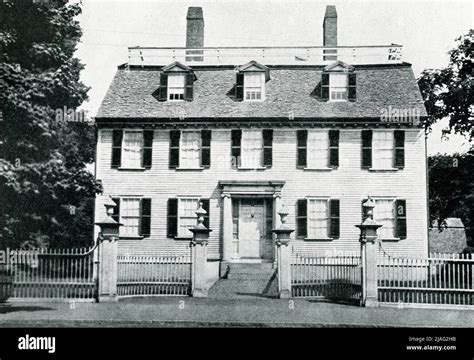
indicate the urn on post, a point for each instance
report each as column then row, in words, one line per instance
column 108, row 249
column 199, row 244
column 369, row 249
column 282, row 241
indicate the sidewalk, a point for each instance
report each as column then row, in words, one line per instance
column 194, row 312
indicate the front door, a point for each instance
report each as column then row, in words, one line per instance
column 252, row 232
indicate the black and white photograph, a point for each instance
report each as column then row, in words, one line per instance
column 249, row 164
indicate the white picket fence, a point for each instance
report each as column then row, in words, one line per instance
column 440, row 279
column 48, row 273
column 154, row 275
column 333, row 278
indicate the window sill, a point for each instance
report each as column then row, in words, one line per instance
column 391, row 239
column 319, row 169
column 191, row 169
column 252, row 168
column 318, row 239
column 131, row 237
column 131, row 168
column 184, row 238
column 383, row 169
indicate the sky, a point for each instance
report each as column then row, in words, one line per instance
column 426, row 29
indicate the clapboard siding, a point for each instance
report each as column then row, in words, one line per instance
column 349, row 183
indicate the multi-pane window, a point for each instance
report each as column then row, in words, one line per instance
column 176, row 86
column 190, row 149
column 318, row 218
column 132, row 149
column 252, row 148
column 187, row 215
column 384, row 215
column 130, row 216
column 383, row 149
column 253, row 86
column 338, row 87
column 317, row 149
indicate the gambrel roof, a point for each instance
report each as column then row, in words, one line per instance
column 292, row 90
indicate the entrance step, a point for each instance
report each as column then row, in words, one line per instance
column 240, row 280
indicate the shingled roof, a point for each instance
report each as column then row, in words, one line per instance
column 290, row 90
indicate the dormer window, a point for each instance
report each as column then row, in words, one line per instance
column 254, row 86
column 176, row 83
column 338, row 87
column 176, row 86
column 338, row 82
column 251, row 82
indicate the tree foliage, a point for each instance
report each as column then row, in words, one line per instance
column 448, row 92
column 451, row 189
column 44, row 185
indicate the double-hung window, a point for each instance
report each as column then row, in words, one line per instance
column 318, row 218
column 176, row 86
column 338, row 87
column 190, row 150
column 384, row 214
column 318, row 149
column 383, row 149
column 132, row 149
column 187, row 217
column 252, row 149
column 130, row 217
column 254, row 86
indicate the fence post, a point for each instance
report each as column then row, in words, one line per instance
column 283, row 256
column 369, row 251
column 199, row 243
column 108, row 249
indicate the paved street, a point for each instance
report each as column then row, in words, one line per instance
column 194, row 312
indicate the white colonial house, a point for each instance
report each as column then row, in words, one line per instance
column 246, row 131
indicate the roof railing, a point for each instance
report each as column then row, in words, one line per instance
column 271, row 55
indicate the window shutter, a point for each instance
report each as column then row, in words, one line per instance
column 352, row 87
column 206, row 148
column 301, row 218
column 174, row 149
column 366, row 149
column 145, row 217
column 325, row 86
column 147, row 148
column 267, row 147
column 117, row 136
column 399, row 149
column 205, row 206
column 235, row 147
column 239, row 87
column 302, row 140
column 334, row 225
column 401, row 219
column 188, row 93
column 364, row 210
column 116, row 213
column 163, row 93
column 172, row 229
column 334, row 148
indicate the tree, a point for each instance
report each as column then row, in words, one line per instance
column 451, row 189
column 44, row 184
column 448, row 92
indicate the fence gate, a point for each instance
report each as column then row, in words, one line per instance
column 48, row 273
column 336, row 278
column 154, row 275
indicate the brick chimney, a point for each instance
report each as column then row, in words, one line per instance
column 330, row 27
column 194, row 32
column 330, row 32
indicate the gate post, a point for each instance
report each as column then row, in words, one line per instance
column 369, row 250
column 283, row 256
column 199, row 243
column 108, row 249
